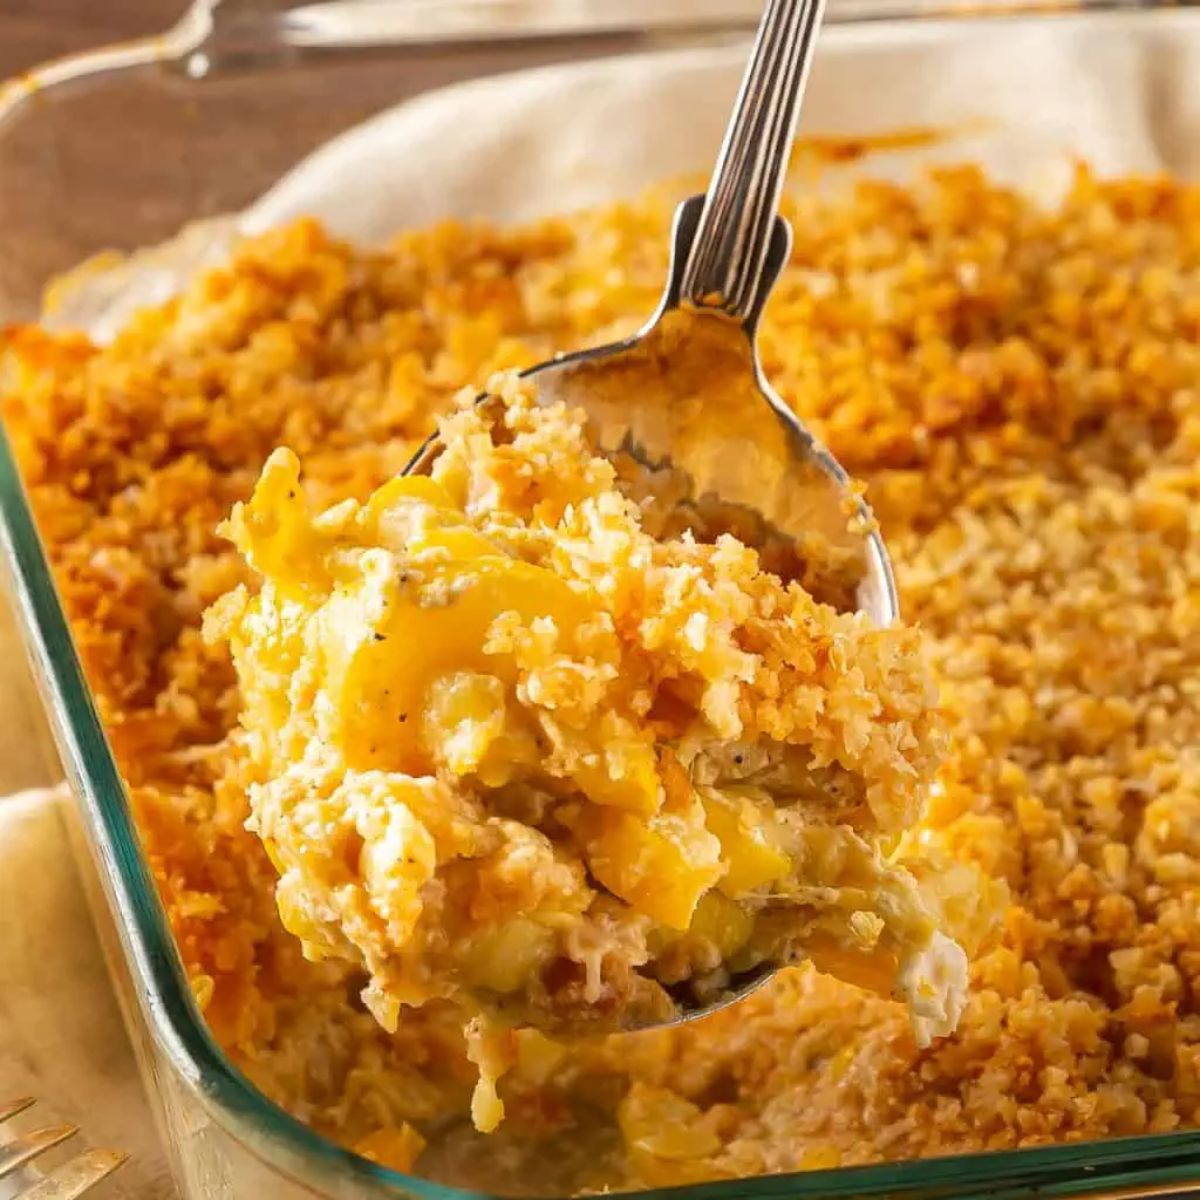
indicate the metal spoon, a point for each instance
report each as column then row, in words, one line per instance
column 686, row 397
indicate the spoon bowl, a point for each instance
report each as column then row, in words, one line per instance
column 684, row 410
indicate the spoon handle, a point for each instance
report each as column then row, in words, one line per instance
column 729, row 250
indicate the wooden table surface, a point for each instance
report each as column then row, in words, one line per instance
column 34, row 30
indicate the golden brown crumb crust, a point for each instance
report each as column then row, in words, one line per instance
column 1019, row 389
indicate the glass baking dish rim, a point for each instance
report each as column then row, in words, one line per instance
column 187, row 44
column 1134, row 1165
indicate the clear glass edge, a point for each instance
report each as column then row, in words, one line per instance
column 215, row 36
column 1110, row 1167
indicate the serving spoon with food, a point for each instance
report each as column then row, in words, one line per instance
column 683, row 407
column 686, row 395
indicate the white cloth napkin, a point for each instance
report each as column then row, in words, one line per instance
column 61, row 1036
column 62, row 1040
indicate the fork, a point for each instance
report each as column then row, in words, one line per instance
column 72, row 1179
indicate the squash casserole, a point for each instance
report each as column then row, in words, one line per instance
column 517, row 753
column 1017, row 387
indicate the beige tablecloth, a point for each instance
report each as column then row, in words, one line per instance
column 61, row 1035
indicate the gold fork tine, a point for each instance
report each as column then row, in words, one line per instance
column 20, row 1150
column 11, row 1108
column 75, row 1178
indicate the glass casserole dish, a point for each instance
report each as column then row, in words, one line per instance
column 181, row 146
